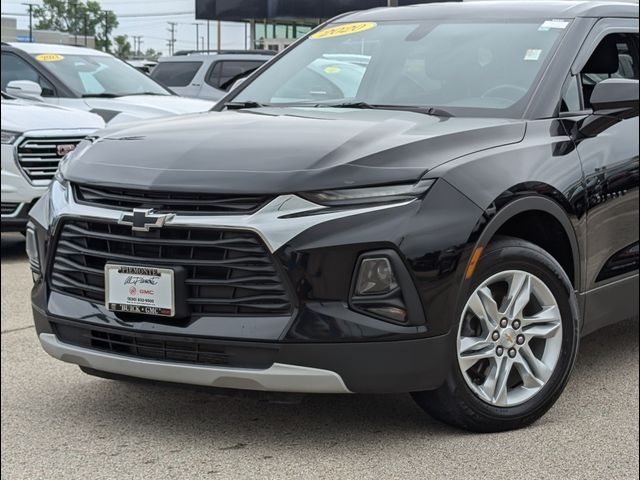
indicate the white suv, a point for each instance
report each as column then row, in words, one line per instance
column 88, row 79
column 35, row 136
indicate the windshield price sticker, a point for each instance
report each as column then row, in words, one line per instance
column 138, row 289
column 346, row 29
column 49, row 57
column 549, row 24
column 533, row 54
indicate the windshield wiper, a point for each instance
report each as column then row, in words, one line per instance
column 101, row 95
column 438, row 112
column 241, row 105
column 146, row 93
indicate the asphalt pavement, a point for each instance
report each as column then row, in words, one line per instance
column 58, row 423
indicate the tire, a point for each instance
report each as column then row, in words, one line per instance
column 467, row 398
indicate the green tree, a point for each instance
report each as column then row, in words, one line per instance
column 152, row 54
column 77, row 18
column 123, row 47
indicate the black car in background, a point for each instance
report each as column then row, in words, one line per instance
column 438, row 199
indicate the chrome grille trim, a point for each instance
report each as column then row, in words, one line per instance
column 39, row 159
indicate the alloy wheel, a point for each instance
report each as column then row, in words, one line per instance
column 509, row 338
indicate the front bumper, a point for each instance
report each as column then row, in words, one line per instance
column 358, row 367
column 18, row 193
column 323, row 344
column 278, row 377
column 15, row 217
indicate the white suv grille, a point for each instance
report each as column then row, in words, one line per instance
column 39, row 157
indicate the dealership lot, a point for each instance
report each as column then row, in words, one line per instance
column 60, row 423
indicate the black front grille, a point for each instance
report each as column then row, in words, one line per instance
column 39, row 157
column 9, row 208
column 165, row 347
column 171, row 202
column 228, row 272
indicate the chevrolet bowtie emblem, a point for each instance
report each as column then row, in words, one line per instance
column 141, row 219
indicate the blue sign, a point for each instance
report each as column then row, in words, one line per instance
column 23, row 38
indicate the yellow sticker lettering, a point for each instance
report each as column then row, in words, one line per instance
column 49, row 57
column 331, row 70
column 346, row 29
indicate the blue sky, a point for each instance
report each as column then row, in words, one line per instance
column 149, row 18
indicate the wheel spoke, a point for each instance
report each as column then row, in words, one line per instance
column 537, row 366
column 529, row 379
column 473, row 344
column 519, row 294
column 469, row 359
column 550, row 314
column 495, row 385
column 485, row 308
column 543, row 331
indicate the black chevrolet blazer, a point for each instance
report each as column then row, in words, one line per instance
column 438, row 199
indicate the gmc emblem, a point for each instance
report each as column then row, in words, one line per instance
column 65, row 148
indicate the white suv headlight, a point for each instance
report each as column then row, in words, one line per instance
column 9, row 137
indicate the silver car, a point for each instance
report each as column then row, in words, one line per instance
column 207, row 75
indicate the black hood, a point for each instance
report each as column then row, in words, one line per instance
column 277, row 150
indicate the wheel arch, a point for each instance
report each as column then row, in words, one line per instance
column 539, row 205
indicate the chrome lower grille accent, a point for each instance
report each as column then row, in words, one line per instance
column 39, row 157
column 228, row 272
column 9, row 208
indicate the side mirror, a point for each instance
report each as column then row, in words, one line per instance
column 616, row 97
column 237, row 83
column 25, row 89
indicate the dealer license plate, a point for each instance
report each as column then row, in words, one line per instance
column 139, row 289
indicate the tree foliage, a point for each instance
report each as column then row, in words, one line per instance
column 152, row 54
column 77, row 18
column 122, row 47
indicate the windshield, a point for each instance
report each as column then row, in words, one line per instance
column 469, row 68
column 89, row 75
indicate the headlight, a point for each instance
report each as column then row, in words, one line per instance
column 9, row 137
column 354, row 196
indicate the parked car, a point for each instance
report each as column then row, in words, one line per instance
column 208, row 75
column 145, row 66
column 88, row 79
column 35, row 137
column 450, row 230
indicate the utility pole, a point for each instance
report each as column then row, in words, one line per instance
column 219, row 34
column 106, row 30
column 172, row 40
column 202, row 42
column 75, row 21
column 86, row 20
column 30, row 5
column 197, row 34
column 208, row 43
column 137, row 41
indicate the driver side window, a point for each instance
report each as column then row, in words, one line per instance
column 15, row 68
column 616, row 56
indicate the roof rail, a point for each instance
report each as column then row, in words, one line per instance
column 227, row 52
